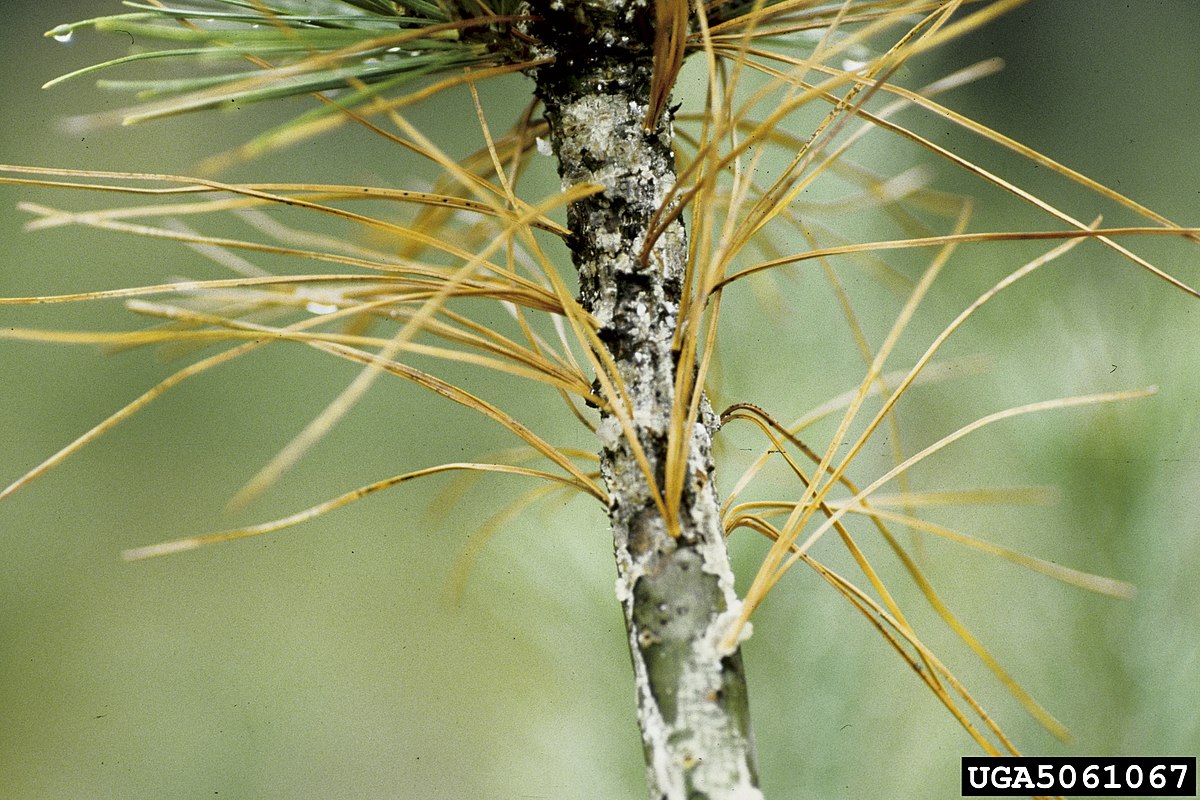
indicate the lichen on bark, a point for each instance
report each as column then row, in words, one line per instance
column 676, row 587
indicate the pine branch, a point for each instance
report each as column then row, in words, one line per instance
column 674, row 579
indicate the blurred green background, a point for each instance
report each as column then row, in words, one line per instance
column 329, row 662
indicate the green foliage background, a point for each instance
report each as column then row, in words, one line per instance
column 328, row 661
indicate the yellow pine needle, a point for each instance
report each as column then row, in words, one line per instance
column 465, row 398
column 959, row 238
column 1007, row 495
column 147, row 397
column 855, row 448
column 1032, row 155
column 129, row 338
column 807, row 16
column 876, row 193
column 194, row 542
column 490, row 145
column 208, row 286
column 787, row 187
column 804, row 509
column 895, row 440
column 458, row 486
column 127, row 411
column 507, row 183
column 766, row 423
column 423, row 147
column 538, row 360
column 923, row 99
column 815, row 492
column 1103, row 236
column 771, row 571
column 794, row 101
column 933, row 373
column 514, row 147
column 1030, row 408
column 859, row 557
column 404, row 233
column 670, row 41
column 566, row 360
column 483, row 189
column 1073, row 577
column 884, row 623
column 933, row 679
column 502, row 284
column 764, row 580
column 514, row 361
column 468, row 556
column 1035, row 709
column 320, row 426
column 300, row 191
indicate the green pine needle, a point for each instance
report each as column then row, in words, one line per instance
column 296, row 48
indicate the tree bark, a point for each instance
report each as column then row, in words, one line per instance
column 676, row 590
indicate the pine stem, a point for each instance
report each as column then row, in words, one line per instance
column 675, row 586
